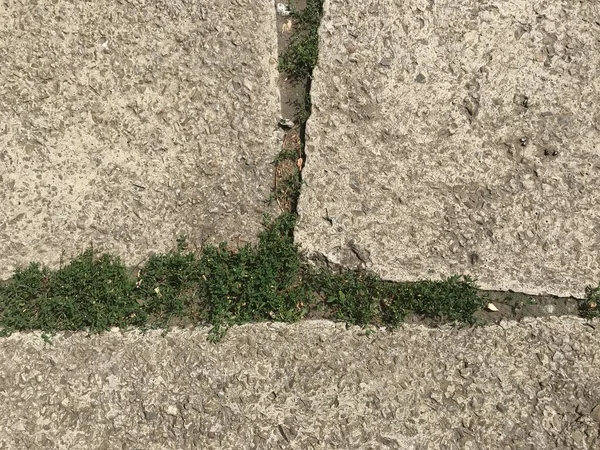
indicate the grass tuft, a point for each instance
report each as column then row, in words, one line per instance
column 92, row 292
column 590, row 308
column 361, row 298
column 302, row 53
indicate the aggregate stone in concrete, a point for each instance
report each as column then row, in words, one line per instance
column 457, row 137
column 311, row 385
column 127, row 124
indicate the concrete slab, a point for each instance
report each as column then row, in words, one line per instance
column 126, row 124
column 527, row 385
column 457, row 137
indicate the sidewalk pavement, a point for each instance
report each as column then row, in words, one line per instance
column 310, row 385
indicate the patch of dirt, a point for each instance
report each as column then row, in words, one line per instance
column 288, row 169
column 516, row 306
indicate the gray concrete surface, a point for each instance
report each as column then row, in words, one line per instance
column 311, row 385
column 415, row 166
column 126, row 124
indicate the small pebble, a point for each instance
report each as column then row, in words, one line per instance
column 286, row 123
column 172, row 410
column 283, row 10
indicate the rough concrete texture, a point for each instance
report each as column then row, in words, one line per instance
column 416, row 167
column 311, row 385
column 126, row 124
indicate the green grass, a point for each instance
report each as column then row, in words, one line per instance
column 301, row 55
column 289, row 180
column 267, row 281
column 91, row 292
column 361, row 298
column 590, row 307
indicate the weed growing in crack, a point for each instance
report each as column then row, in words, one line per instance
column 301, row 56
column 297, row 61
column 362, row 298
column 92, row 292
column 288, row 167
column 590, row 307
column 257, row 283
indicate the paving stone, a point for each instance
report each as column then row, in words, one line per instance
column 457, row 137
column 127, row 124
column 324, row 387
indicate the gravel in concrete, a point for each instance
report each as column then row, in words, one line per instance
column 457, row 137
column 126, row 124
column 314, row 384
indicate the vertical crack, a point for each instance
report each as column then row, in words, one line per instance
column 297, row 37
